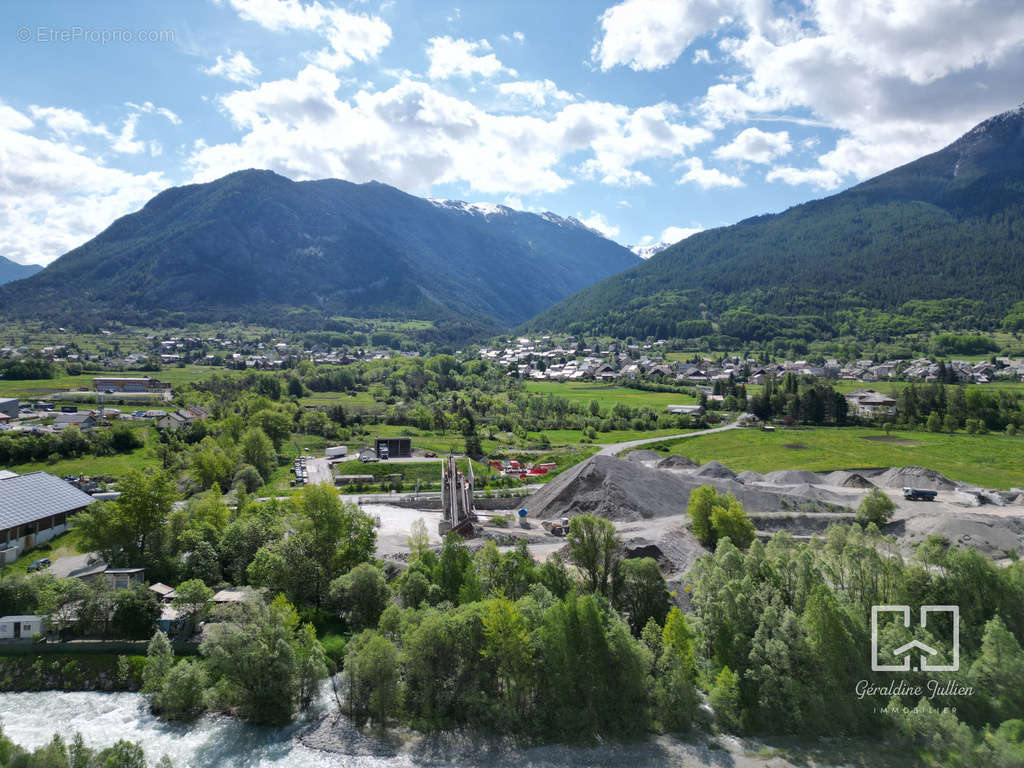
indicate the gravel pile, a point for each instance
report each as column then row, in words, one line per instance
column 624, row 491
column 649, row 458
column 715, row 470
column 677, row 462
column 792, row 477
column 915, row 477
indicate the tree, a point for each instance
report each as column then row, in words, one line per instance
column 372, row 675
column 642, row 594
column 255, row 658
column 126, row 532
column 725, row 699
column 595, row 549
column 413, row 588
column 702, row 501
column 507, row 643
column 192, row 598
column 876, row 508
column 182, row 692
column 257, row 450
column 729, row 520
column 362, row 594
column 136, row 610
column 159, row 660
column 248, row 478
column 934, row 423
column 419, row 540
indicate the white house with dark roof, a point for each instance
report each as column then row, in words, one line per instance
column 34, row 508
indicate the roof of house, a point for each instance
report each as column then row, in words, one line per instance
column 72, row 418
column 31, row 497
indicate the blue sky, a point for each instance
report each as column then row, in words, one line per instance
column 648, row 119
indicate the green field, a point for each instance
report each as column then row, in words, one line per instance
column 995, row 460
column 608, row 395
column 62, row 383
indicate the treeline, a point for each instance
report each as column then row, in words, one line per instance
column 784, row 632
column 58, row 753
column 942, row 408
column 499, row 642
column 69, row 443
column 800, row 399
column 26, row 368
column 204, row 539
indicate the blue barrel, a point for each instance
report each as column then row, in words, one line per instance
column 523, row 512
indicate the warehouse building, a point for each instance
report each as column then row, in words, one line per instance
column 34, row 508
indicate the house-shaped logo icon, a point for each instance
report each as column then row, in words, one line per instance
column 925, row 651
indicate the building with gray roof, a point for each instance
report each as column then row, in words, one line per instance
column 34, row 508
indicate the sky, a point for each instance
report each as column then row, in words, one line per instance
column 649, row 120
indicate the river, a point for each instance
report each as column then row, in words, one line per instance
column 30, row 719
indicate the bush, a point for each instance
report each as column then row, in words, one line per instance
column 876, row 508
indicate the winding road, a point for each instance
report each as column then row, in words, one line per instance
column 613, row 449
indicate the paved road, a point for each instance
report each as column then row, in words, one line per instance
column 613, row 449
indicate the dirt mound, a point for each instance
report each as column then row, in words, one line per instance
column 677, row 462
column 853, row 480
column 716, row 470
column 675, row 550
column 915, row 477
column 749, row 476
column 649, row 458
column 792, row 477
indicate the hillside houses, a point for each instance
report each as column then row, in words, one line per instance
column 541, row 359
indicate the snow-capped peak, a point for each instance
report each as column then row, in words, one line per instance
column 482, row 209
column 646, row 251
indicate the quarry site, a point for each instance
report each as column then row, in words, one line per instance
column 645, row 495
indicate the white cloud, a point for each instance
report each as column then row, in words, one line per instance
column 55, row 196
column 675, row 234
column 897, row 79
column 414, row 136
column 147, row 107
column 125, row 142
column 651, row 34
column 707, row 178
column 351, row 37
column 517, row 36
column 236, row 67
column 702, row 55
column 536, row 92
column 462, row 58
column 65, row 122
column 755, row 146
column 598, row 222
column 821, row 178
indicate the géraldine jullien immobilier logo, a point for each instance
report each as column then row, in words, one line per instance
column 915, row 648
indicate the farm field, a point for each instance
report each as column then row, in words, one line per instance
column 608, row 395
column 994, row 460
column 63, row 383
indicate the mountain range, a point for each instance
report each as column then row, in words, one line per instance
column 938, row 242
column 12, row 270
column 257, row 246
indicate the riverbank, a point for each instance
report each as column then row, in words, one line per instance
column 71, row 672
column 326, row 740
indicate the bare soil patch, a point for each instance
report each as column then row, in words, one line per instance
column 890, row 439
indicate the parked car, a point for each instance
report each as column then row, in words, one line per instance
column 40, row 564
column 430, row 455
